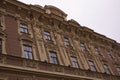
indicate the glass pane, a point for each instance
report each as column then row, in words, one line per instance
column 91, row 63
column 26, row 55
column 24, row 28
column 55, row 61
column 76, row 65
column 74, row 59
column 30, row 49
column 92, row 66
column 53, row 54
column 47, row 35
column 30, row 56
column 25, row 48
column 66, row 40
column 54, row 57
column 28, row 52
column 107, row 69
column 83, row 46
column 21, row 29
column 74, row 62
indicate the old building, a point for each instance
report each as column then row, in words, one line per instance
column 39, row 43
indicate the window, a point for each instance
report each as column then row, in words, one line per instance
column 28, row 52
column 83, row 47
column 66, row 41
column 107, row 70
column 47, row 35
column 0, row 46
column 92, row 66
column 54, row 58
column 97, row 51
column 23, row 28
column 118, row 69
column 74, row 62
column 110, row 55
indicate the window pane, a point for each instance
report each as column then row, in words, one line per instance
column 26, row 55
column 30, row 56
column 66, row 40
column 107, row 70
column 92, row 66
column 53, row 54
column 82, row 45
column 110, row 55
column 23, row 28
column 47, row 35
column 74, row 62
column 54, row 57
column 97, row 51
column 28, row 52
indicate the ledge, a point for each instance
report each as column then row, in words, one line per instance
column 13, row 63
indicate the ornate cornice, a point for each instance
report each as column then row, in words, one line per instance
column 48, row 13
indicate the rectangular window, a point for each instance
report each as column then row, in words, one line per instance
column 66, row 41
column 23, row 28
column 92, row 66
column 83, row 47
column 28, row 52
column 110, row 55
column 107, row 70
column 97, row 51
column 54, row 58
column 0, row 46
column 47, row 36
column 74, row 62
column 118, row 69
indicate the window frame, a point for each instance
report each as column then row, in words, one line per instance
column 67, row 41
column 92, row 66
column 74, row 62
column 107, row 69
column 54, row 57
column 47, row 36
column 97, row 51
column 24, row 28
column 110, row 55
column 83, row 47
column 28, row 52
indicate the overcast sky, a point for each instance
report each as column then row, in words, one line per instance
column 103, row 16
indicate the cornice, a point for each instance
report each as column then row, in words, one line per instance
column 18, row 3
column 52, row 12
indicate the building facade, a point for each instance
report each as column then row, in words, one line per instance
column 38, row 43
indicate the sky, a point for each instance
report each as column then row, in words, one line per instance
column 102, row 16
